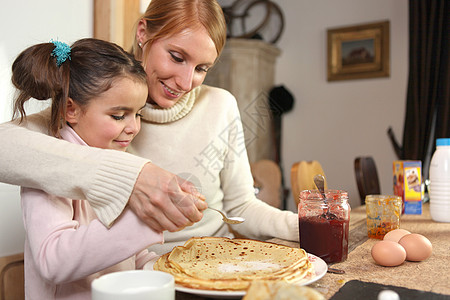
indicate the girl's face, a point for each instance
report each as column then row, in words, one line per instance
column 112, row 120
column 177, row 64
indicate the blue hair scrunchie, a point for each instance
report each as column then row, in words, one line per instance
column 61, row 52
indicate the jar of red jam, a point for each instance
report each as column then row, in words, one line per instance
column 324, row 224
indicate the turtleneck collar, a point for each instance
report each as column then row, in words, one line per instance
column 68, row 134
column 182, row 107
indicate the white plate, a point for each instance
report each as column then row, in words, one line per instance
column 320, row 268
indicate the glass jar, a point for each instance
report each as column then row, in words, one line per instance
column 324, row 224
column 383, row 214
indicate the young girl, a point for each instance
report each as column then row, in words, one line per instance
column 97, row 92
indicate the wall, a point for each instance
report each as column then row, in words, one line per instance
column 334, row 122
column 24, row 23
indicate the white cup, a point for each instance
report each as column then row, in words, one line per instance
column 134, row 285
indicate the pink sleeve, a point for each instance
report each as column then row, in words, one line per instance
column 56, row 240
column 144, row 257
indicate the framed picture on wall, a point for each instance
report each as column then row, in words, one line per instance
column 359, row 51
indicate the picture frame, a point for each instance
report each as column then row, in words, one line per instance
column 359, row 51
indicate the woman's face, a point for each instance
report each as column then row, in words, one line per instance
column 177, row 64
column 111, row 120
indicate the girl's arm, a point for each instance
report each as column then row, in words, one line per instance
column 56, row 240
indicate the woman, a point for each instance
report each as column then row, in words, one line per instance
column 187, row 128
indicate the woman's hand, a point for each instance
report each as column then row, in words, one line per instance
column 165, row 201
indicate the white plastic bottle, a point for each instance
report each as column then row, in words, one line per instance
column 439, row 188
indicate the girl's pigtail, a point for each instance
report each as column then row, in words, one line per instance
column 39, row 72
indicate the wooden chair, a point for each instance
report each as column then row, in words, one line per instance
column 267, row 181
column 366, row 177
column 302, row 174
column 12, row 277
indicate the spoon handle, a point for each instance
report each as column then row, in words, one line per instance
column 223, row 215
column 319, row 181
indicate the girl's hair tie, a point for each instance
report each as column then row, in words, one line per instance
column 61, row 52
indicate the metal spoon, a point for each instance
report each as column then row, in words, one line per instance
column 229, row 220
column 319, row 181
column 335, row 271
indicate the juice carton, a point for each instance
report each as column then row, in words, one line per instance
column 408, row 185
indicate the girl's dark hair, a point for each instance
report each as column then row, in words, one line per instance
column 92, row 68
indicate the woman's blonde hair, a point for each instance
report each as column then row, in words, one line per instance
column 165, row 18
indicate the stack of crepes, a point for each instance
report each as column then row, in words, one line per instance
column 213, row 263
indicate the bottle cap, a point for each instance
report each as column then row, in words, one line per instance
column 443, row 142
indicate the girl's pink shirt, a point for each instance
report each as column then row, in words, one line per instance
column 67, row 247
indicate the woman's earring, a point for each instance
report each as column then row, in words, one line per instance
column 140, row 45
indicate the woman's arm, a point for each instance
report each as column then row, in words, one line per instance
column 108, row 179
column 32, row 159
column 262, row 221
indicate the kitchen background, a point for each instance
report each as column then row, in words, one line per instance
column 332, row 122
